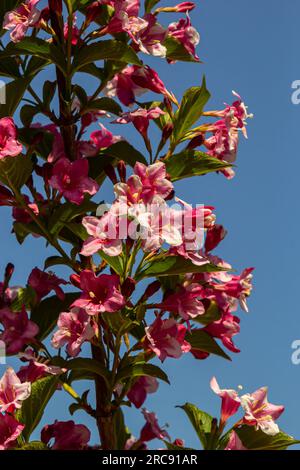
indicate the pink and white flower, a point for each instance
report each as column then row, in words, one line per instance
column 22, row 18
column 185, row 33
column 12, row 391
column 9, row 145
column 235, row 443
column 74, row 328
column 140, row 118
column 260, row 413
column 185, row 302
column 166, row 338
column 103, row 138
column 100, row 239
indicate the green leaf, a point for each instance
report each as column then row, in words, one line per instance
column 46, row 313
column 177, row 51
column 172, row 265
column 104, row 104
column 33, row 408
column 14, row 93
column 212, row 313
column 140, row 370
column 201, row 422
column 88, row 365
column 53, row 261
column 121, row 432
column 105, row 50
column 114, row 262
column 258, row 440
column 149, row 4
column 124, row 151
column 15, row 171
column 48, row 92
column 23, row 230
column 190, row 110
column 39, row 48
column 33, row 445
column 9, row 67
column 190, row 163
column 27, row 114
column 67, row 212
column 202, row 341
column 40, row 139
column 26, row 297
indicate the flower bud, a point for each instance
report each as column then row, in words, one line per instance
column 128, row 287
column 75, row 280
column 122, row 170
column 110, row 172
column 151, row 290
column 196, row 142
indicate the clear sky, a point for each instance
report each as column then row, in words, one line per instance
column 253, row 48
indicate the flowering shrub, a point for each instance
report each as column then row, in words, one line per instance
column 51, row 176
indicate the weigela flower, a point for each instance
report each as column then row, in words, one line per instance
column 18, row 330
column 74, row 328
column 12, row 391
column 100, row 294
column 260, row 413
column 224, row 329
column 230, row 400
column 185, row 302
column 19, row 20
column 100, row 239
column 235, row 443
column 185, row 33
column 138, row 392
column 66, row 435
column 72, row 181
column 10, row 430
column 44, row 282
column 149, row 38
column 166, row 338
column 133, row 81
column 9, row 145
column 75, row 35
column 103, row 138
column 152, row 430
column 22, row 215
column 36, row 370
column 140, row 118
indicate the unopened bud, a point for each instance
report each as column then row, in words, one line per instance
column 75, row 280
column 128, row 287
column 151, row 290
column 122, row 171
column 196, row 142
column 9, row 270
column 110, row 172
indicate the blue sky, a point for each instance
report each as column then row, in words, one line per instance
column 250, row 47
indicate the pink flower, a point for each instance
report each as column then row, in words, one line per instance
column 230, row 400
column 18, row 330
column 166, row 338
column 67, row 435
column 185, row 33
column 9, row 145
column 19, row 20
column 149, row 38
column 103, row 138
column 100, row 239
column 43, row 283
column 37, row 370
column 223, row 144
column 75, row 32
column 225, row 328
column 184, row 7
column 72, row 181
column 185, row 302
column 100, row 294
column 10, row 430
column 138, row 393
column 140, row 118
column 235, row 443
column 237, row 287
column 260, row 413
column 154, row 181
column 134, row 81
column 152, row 430
column 74, row 329
column 12, row 391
